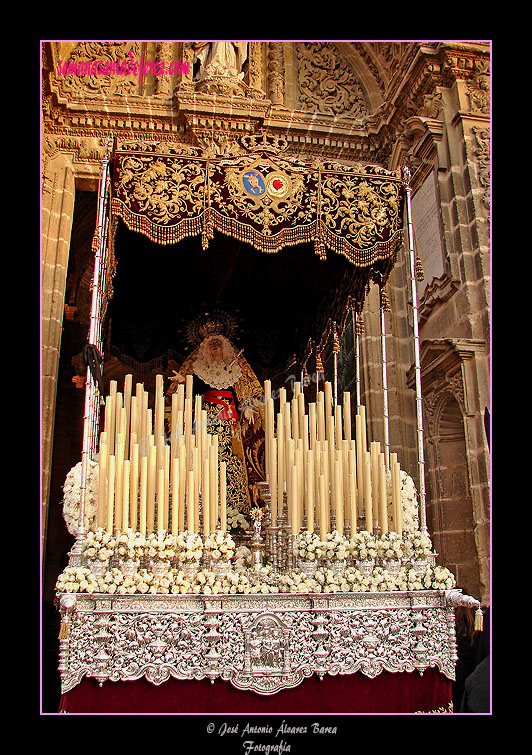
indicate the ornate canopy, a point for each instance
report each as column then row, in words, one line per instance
column 259, row 199
column 262, row 197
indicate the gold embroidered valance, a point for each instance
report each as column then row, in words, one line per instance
column 264, row 198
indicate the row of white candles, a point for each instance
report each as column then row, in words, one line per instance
column 147, row 484
column 316, row 467
column 313, row 465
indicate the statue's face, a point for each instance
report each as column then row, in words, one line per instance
column 215, row 348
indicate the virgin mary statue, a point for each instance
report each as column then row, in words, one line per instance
column 233, row 399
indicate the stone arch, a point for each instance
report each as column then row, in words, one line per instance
column 450, row 507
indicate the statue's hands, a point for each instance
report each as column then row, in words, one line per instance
column 176, row 378
column 249, row 415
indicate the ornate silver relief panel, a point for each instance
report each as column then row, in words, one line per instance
column 258, row 643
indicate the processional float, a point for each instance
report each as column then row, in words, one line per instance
column 337, row 561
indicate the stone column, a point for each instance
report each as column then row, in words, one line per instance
column 57, row 215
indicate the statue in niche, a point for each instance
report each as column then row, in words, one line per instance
column 234, row 404
column 219, row 59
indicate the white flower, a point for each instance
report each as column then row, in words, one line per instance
column 219, row 544
column 72, row 496
column 76, row 579
column 363, row 546
column 190, row 546
column 98, row 544
column 307, row 545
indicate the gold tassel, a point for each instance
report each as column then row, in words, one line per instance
column 420, row 275
column 64, row 630
column 479, row 620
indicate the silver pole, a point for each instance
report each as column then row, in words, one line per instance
column 357, row 357
column 91, row 411
column 336, row 347
column 385, row 391
column 407, row 176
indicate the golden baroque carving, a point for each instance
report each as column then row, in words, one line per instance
column 482, row 153
column 326, row 82
column 98, row 84
column 479, row 88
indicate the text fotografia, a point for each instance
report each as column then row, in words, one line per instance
column 123, row 67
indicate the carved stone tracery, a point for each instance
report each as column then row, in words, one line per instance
column 326, row 83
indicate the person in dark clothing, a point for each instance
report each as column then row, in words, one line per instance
column 467, row 640
column 477, row 689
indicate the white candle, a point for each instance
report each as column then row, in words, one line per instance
column 362, row 411
column 133, row 422
column 197, row 481
column 339, row 501
column 281, row 474
column 320, row 412
column 338, row 425
column 134, row 490
column 294, row 500
column 119, row 472
column 190, row 501
column 360, row 457
column 102, row 480
column 323, row 508
column 352, row 476
column 375, row 448
column 353, row 503
column 368, row 508
column 110, row 494
column 143, row 493
column 150, row 491
column 310, row 495
column 166, row 508
column 125, row 499
column 160, row 499
column 205, row 499
column 313, row 429
column 215, row 484
column 181, row 397
column 273, row 480
column 173, row 428
column 128, row 384
column 328, row 398
column 223, row 496
column 383, row 508
column 182, row 486
column 347, row 415
column 399, row 527
column 175, row 494
column 395, row 492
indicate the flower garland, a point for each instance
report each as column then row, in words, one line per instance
column 246, row 581
column 335, row 546
column 237, row 523
column 98, row 545
column 244, row 577
column 220, row 545
column 418, row 546
column 72, row 496
column 190, row 546
column 308, row 546
column 130, row 545
column 409, row 501
column 363, row 546
column 390, row 547
column 161, row 546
